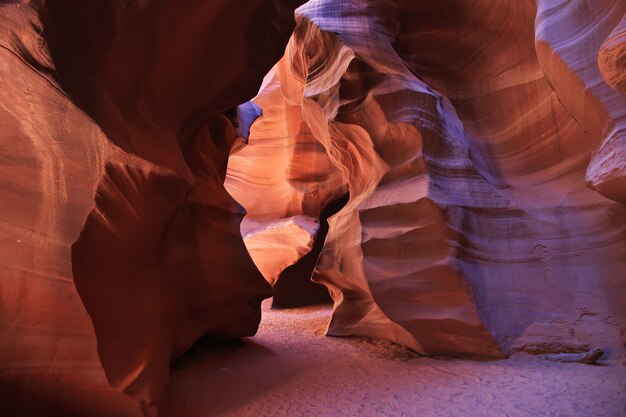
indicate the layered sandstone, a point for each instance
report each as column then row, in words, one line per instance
column 472, row 153
column 482, row 151
column 120, row 245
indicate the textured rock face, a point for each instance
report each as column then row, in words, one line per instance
column 483, row 153
column 481, row 144
column 612, row 58
column 283, row 178
column 120, row 245
column 577, row 81
column 48, row 352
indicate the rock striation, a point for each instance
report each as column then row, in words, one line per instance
column 452, row 171
column 483, row 153
column 120, row 245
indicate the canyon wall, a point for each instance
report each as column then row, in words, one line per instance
column 482, row 148
column 472, row 153
column 120, row 245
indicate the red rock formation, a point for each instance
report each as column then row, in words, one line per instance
column 467, row 159
column 481, row 144
column 576, row 79
column 283, row 177
column 556, row 248
column 612, row 57
column 128, row 214
column 52, row 161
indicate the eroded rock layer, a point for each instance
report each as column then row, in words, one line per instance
column 474, row 152
column 483, row 153
column 120, row 245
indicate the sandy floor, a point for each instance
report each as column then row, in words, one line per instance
column 290, row 369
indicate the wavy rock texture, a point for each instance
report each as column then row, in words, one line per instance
column 578, row 82
column 612, row 58
column 48, row 354
column 467, row 158
column 481, row 144
column 118, row 234
column 557, row 248
column 283, row 178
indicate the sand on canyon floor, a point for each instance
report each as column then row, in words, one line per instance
column 290, row 369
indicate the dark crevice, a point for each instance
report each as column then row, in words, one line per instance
column 294, row 287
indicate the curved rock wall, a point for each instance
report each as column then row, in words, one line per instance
column 283, row 177
column 481, row 144
column 48, row 350
column 469, row 135
column 121, row 246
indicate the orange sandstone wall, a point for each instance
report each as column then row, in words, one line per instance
column 120, row 245
column 481, row 144
column 483, row 153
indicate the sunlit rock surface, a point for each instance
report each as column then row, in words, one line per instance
column 483, row 153
column 283, row 177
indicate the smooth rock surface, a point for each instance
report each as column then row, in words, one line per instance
column 480, row 145
column 120, row 245
column 485, row 170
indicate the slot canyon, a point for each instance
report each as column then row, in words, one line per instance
column 281, row 208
